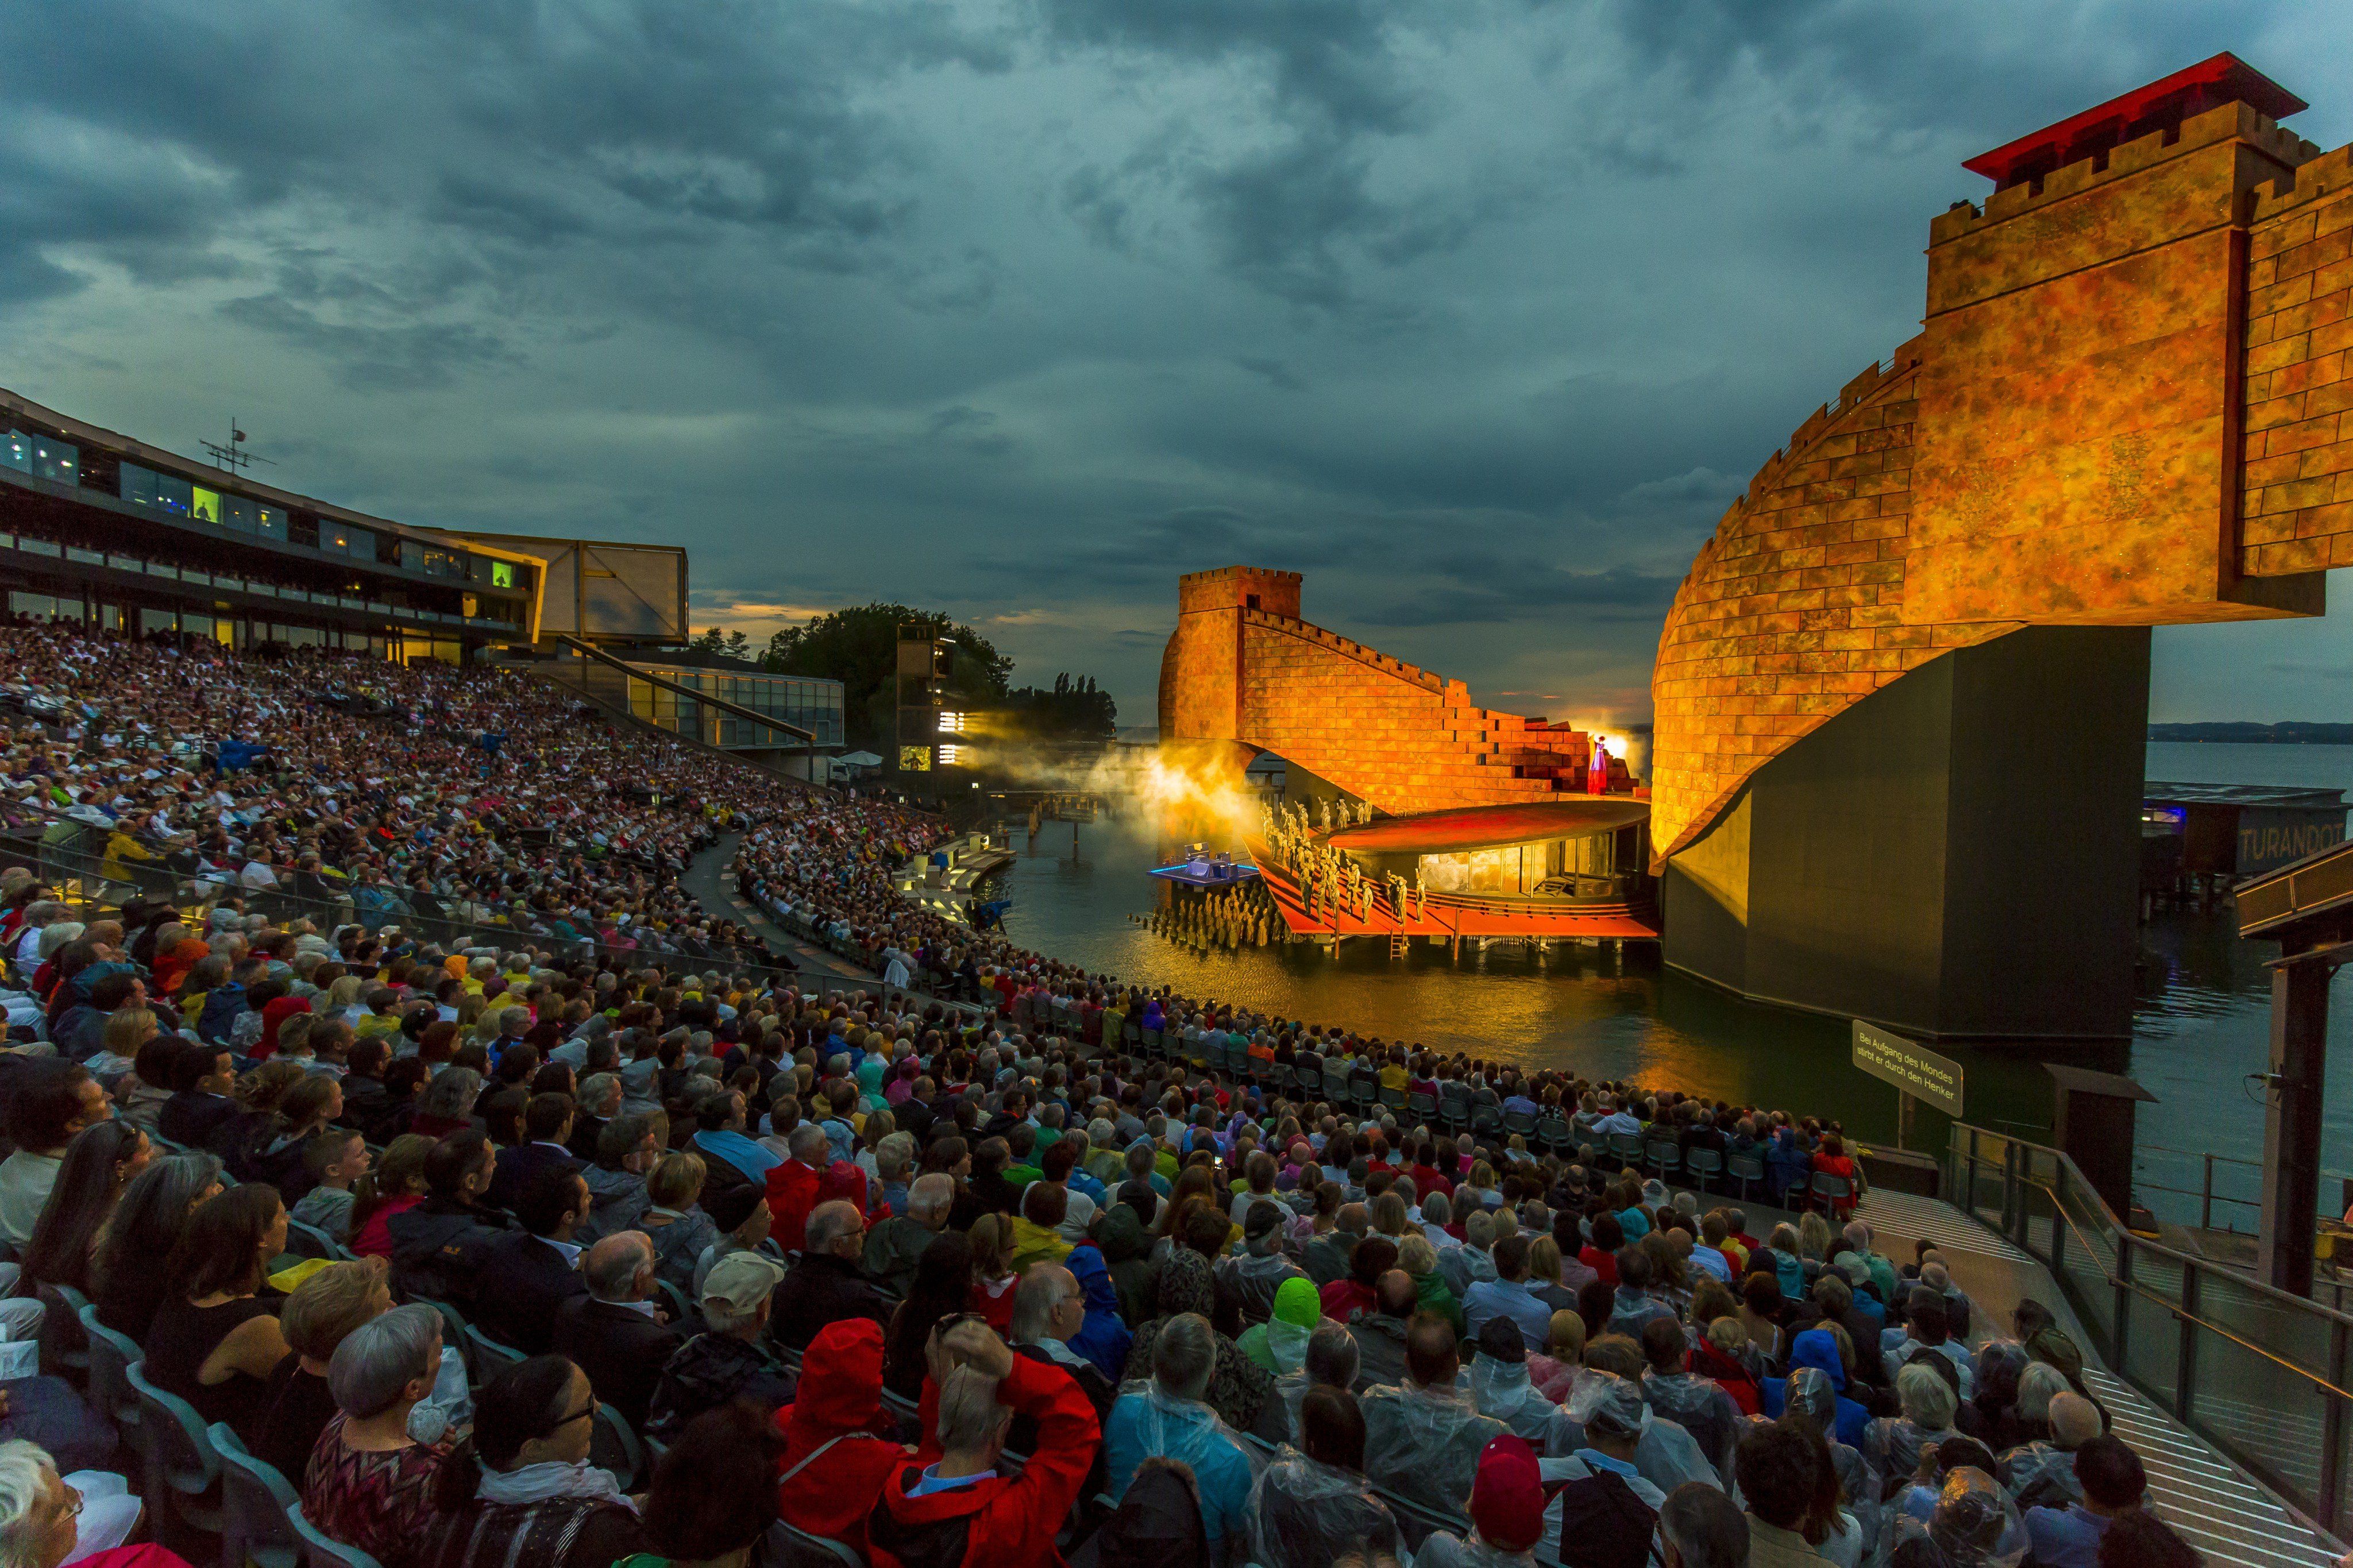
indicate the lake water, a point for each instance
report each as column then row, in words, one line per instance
column 2201, row 1026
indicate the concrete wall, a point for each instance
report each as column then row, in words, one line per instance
column 1954, row 855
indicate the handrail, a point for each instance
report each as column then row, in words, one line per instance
column 2111, row 1289
column 2135, row 1285
column 2141, row 1244
column 621, row 712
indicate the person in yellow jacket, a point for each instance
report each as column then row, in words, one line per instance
column 1037, row 1235
column 122, row 849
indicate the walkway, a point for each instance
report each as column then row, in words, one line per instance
column 706, row 878
column 2218, row 1508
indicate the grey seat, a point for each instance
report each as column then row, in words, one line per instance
column 111, row 1356
column 1745, row 1169
column 613, row 1446
column 183, row 1472
column 789, row 1547
column 256, row 1499
column 322, row 1551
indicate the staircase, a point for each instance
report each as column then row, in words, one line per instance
column 2214, row 1507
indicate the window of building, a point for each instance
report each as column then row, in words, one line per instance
column 205, row 503
column 43, row 457
column 145, row 486
column 46, row 607
column 502, row 574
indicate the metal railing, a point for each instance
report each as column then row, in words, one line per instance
column 2260, row 1375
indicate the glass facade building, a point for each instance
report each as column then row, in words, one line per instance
column 103, row 528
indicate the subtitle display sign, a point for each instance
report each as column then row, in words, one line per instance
column 1910, row 1067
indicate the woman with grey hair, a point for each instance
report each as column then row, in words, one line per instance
column 55, row 936
column 369, row 1484
column 447, row 1103
column 46, row 1517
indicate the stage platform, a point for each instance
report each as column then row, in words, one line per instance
column 1453, row 916
column 1210, row 873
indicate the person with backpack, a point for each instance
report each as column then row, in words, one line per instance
column 1604, row 1514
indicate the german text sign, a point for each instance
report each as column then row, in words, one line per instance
column 1909, row 1066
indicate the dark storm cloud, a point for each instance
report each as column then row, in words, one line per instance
column 1464, row 590
column 1476, row 312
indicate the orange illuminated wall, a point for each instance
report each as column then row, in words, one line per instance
column 2123, row 409
column 2298, row 484
column 1242, row 667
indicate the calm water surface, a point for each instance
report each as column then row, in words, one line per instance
column 2200, row 1028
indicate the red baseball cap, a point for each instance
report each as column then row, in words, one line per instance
column 1507, row 1500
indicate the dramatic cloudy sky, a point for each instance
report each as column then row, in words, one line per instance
column 1476, row 311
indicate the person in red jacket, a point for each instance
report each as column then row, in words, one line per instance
column 1832, row 1160
column 957, row 1509
column 834, row 1463
column 812, row 1176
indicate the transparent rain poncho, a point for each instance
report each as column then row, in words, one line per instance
column 1188, row 1430
column 2041, row 1475
column 1666, row 1456
column 1999, row 1365
column 1501, row 1391
column 1444, row 1549
column 1305, row 1514
column 1809, row 1393
column 1892, row 1447
column 1701, row 1407
column 1424, row 1443
column 1974, row 1524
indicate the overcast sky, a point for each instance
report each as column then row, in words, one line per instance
column 1475, row 311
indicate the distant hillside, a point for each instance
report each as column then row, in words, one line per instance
column 2295, row 734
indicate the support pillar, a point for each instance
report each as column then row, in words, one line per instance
column 2292, row 1122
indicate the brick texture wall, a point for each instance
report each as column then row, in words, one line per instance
column 1243, row 667
column 2088, row 431
column 1794, row 610
column 2296, row 506
column 1383, row 730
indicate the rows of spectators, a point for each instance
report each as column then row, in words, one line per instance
column 934, row 1290
column 914, row 1249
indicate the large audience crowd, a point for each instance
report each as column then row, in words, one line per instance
column 570, row 1238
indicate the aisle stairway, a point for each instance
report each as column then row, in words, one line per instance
column 2217, row 1507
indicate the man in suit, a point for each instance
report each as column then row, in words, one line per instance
column 614, row 1332
column 526, row 1279
column 546, row 1125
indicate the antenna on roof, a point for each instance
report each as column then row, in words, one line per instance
column 232, row 456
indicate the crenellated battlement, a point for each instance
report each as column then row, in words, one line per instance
column 1873, row 380
column 2322, row 175
column 2227, row 122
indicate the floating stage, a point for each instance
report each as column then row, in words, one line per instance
column 1547, row 871
column 1210, row 872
